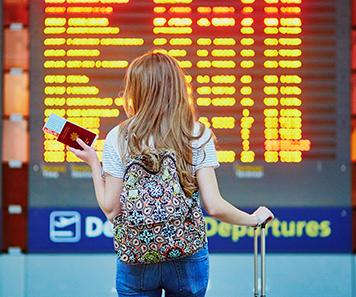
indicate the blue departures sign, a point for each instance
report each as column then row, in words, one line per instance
column 294, row 230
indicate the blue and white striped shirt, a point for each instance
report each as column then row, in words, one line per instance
column 113, row 165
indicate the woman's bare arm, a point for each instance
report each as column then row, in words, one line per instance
column 107, row 191
column 215, row 204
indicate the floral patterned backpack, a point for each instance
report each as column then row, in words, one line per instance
column 157, row 222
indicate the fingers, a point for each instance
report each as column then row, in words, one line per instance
column 73, row 150
column 82, row 143
column 264, row 215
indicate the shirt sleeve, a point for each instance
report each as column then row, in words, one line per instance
column 112, row 163
column 205, row 156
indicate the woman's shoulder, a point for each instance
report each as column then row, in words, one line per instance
column 200, row 129
column 113, row 133
column 118, row 131
column 114, row 138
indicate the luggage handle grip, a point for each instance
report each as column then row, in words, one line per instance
column 264, row 223
column 263, row 252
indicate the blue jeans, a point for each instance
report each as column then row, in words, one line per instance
column 185, row 277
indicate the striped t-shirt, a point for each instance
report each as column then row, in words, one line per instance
column 113, row 165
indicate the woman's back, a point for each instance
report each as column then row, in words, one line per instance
column 203, row 152
column 160, row 113
column 174, row 241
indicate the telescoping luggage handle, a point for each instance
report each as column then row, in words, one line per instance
column 263, row 254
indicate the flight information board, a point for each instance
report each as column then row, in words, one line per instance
column 270, row 78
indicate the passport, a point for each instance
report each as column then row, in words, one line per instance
column 67, row 132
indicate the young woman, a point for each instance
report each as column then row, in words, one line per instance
column 161, row 116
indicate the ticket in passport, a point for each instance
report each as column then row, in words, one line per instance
column 68, row 132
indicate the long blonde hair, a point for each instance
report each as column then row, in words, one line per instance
column 158, row 106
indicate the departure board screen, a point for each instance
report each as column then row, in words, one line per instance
column 268, row 77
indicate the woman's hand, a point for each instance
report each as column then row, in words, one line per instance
column 88, row 154
column 263, row 215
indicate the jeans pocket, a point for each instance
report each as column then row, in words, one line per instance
column 193, row 274
column 129, row 278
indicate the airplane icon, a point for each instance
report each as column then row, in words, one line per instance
column 64, row 226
